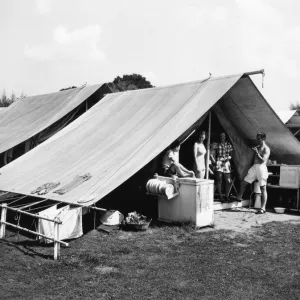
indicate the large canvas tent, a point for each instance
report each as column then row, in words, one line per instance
column 291, row 119
column 122, row 133
column 31, row 120
column 2, row 110
column 286, row 115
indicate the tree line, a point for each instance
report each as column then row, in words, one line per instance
column 295, row 106
column 119, row 84
column 8, row 100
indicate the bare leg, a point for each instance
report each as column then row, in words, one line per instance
column 171, row 172
column 219, row 176
column 184, row 169
column 197, row 173
column 227, row 183
column 202, row 174
column 181, row 172
column 264, row 197
column 243, row 186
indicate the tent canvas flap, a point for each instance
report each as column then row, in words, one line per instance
column 114, row 139
column 125, row 131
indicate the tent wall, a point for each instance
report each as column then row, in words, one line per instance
column 286, row 115
column 125, row 131
column 114, row 139
column 249, row 113
column 31, row 115
column 291, row 118
column 242, row 154
column 53, row 128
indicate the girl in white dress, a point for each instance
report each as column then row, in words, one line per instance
column 199, row 156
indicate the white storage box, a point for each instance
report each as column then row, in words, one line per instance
column 193, row 204
column 289, row 176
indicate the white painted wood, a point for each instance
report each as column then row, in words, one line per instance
column 55, row 240
column 289, row 176
column 35, row 233
column 235, row 204
column 57, row 236
column 26, row 213
column 3, row 219
column 193, row 204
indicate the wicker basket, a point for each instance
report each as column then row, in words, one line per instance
column 137, row 227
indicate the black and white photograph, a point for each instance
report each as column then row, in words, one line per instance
column 149, row 150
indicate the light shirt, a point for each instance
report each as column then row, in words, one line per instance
column 169, row 157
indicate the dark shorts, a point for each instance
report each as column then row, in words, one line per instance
column 168, row 171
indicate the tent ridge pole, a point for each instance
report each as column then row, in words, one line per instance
column 262, row 71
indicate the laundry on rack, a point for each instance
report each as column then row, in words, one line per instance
column 70, row 228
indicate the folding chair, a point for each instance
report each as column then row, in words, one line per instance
column 232, row 184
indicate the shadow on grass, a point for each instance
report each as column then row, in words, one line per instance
column 183, row 225
column 239, row 210
column 186, row 226
column 26, row 248
column 253, row 210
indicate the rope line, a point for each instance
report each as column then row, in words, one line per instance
column 18, row 199
column 31, row 209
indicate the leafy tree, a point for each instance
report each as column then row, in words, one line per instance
column 295, row 106
column 129, row 82
column 6, row 101
column 68, row 88
column 23, row 95
column 13, row 96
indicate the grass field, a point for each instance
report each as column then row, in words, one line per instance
column 165, row 262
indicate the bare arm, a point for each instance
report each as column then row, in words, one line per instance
column 184, row 168
column 264, row 156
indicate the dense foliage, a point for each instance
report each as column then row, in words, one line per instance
column 68, row 88
column 8, row 100
column 129, row 82
column 295, row 106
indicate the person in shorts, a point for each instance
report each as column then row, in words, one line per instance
column 170, row 163
column 258, row 171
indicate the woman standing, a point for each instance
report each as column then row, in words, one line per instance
column 199, row 156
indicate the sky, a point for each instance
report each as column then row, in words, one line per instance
column 52, row 44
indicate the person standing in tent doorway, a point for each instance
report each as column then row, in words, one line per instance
column 258, row 171
column 223, row 167
column 199, row 156
column 213, row 157
column 170, row 163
